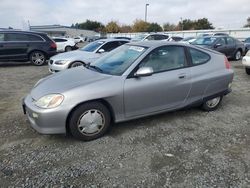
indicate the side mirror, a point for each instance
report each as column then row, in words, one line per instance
column 217, row 45
column 101, row 51
column 144, row 71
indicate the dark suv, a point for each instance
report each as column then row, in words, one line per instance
column 231, row 47
column 26, row 45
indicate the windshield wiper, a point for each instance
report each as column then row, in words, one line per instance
column 93, row 67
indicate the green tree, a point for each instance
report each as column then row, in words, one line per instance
column 169, row 27
column 203, row 24
column 186, row 24
column 154, row 27
column 140, row 26
column 248, row 22
column 112, row 27
column 90, row 25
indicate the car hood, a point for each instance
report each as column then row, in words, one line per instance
column 76, row 55
column 65, row 80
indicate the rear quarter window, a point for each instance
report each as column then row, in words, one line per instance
column 1, row 37
column 198, row 57
column 34, row 38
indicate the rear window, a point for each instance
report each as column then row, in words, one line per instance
column 198, row 57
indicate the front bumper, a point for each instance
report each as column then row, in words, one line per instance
column 246, row 61
column 45, row 121
column 53, row 68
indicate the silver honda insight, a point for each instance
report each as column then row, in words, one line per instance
column 133, row 81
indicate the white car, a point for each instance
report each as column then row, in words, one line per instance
column 64, row 44
column 79, row 39
column 85, row 55
column 246, row 62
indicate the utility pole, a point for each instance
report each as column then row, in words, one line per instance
column 181, row 24
column 146, row 11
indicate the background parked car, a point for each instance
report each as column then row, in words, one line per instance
column 130, row 82
column 65, row 44
column 24, row 45
column 246, row 62
column 79, row 39
column 149, row 37
column 85, row 55
column 188, row 40
column 231, row 47
column 247, row 44
column 174, row 38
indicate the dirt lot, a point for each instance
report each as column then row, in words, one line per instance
column 188, row 148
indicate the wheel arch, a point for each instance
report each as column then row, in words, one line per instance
column 35, row 50
column 103, row 101
column 76, row 61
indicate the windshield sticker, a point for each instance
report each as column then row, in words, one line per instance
column 136, row 48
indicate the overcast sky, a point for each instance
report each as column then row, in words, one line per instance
column 222, row 13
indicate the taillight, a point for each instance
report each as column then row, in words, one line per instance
column 227, row 64
column 53, row 45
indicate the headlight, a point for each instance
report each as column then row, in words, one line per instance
column 62, row 62
column 50, row 101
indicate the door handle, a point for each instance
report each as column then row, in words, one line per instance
column 181, row 76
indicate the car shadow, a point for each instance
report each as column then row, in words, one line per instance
column 17, row 64
column 146, row 122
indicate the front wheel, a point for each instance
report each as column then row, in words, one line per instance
column 211, row 104
column 68, row 48
column 237, row 55
column 76, row 64
column 89, row 121
column 37, row 58
column 247, row 70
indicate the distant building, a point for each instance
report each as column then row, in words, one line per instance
column 59, row 30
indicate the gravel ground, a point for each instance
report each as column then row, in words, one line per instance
column 187, row 148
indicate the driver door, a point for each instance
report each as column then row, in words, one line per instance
column 166, row 88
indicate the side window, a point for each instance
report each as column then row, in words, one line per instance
column 1, row 37
column 34, row 38
column 221, row 41
column 165, row 58
column 16, row 37
column 198, row 57
column 110, row 46
column 230, row 41
column 59, row 40
column 160, row 37
column 151, row 37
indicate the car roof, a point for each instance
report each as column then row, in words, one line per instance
column 21, row 31
column 155, row 43
column 112, row 39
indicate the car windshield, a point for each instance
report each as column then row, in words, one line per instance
column 117, row 61
column 91, row 47
column 139, row 37
column 247, row 40
column 204, row 41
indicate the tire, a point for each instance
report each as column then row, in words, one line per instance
column 76, row 64
column 247, row 70
column 68, row 49
column 89, row 121
column 37, row 58
column 237, row 55
column 212, row 104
